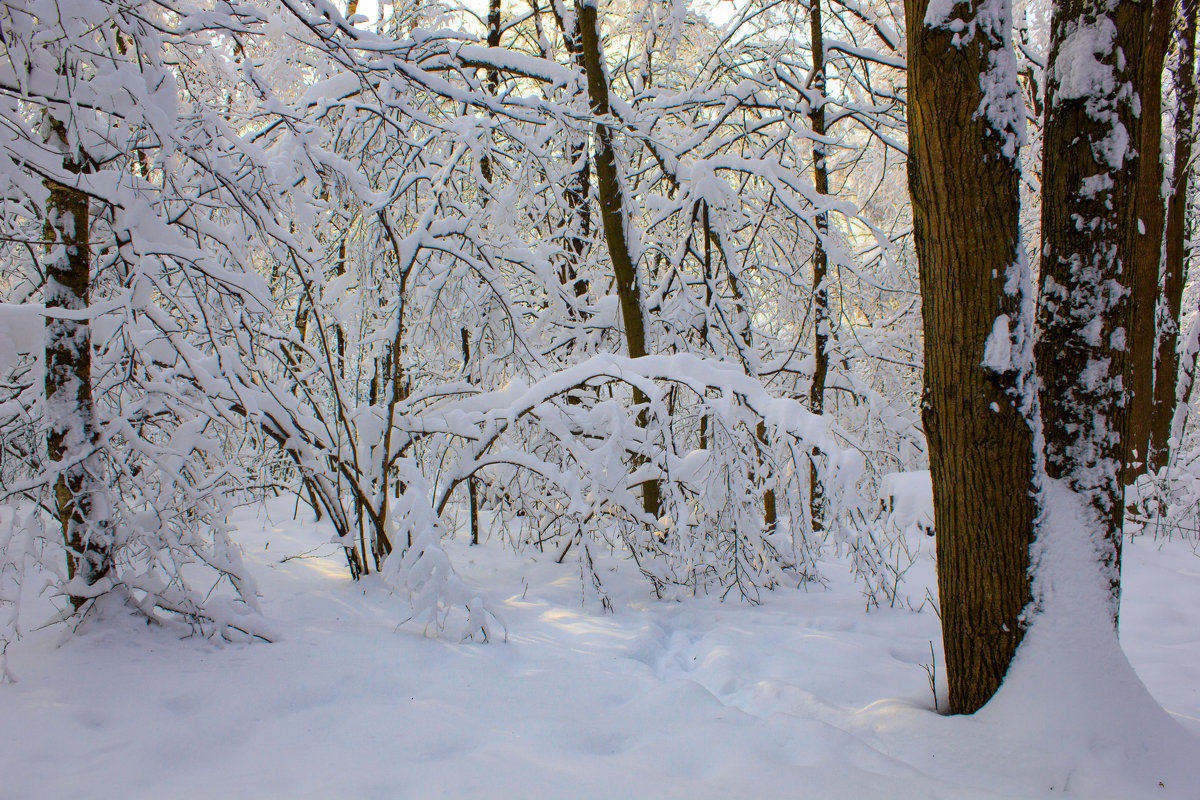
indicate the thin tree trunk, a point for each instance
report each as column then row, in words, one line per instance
column 1090, row 169
column 485, row 169
column 1167, row 380
column 71, row 435
column 820, row 287
column 493, row 83
column 339, row 330
column 964, row 182
column 1147, row 252
column 472, row 484
column 578, row 187
column 576, row 192
column 612, row 215
column 351, row 10
column 395, row 377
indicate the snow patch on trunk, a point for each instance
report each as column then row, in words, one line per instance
column 997, row 351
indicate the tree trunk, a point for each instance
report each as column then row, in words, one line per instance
column 1090, row 168
column 485, row 169
column 1147, row 252
column 612, row 217
column 71, row 436
column 820, row 288
column 1166, row 380
column 964, row 179
column 577, row 189
column 472, row 483
column 493, row 84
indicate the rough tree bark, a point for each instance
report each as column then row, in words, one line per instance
column 964, row 179
column 1089, row 225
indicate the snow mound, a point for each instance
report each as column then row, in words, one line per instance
column 1071, row 689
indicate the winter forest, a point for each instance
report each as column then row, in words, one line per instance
column 599, row 398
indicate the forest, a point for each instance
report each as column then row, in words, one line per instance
column 673, row 398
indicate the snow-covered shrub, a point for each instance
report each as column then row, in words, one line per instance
column 884, row 546
column 119, row 109
column 571, row 457
column 336, row 260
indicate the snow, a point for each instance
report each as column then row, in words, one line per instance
column 803, row 696
column 1078, row 71
column 908, row 498
column 937, row 13
column 1081, row 74
column 1072, row 683
column 997, row 350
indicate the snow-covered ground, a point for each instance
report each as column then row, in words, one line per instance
column 804, row 696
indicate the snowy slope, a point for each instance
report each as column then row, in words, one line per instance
column 805, row 696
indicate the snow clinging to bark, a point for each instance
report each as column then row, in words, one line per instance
column 1002, row 104
column 1082, row 74
column 997, row 353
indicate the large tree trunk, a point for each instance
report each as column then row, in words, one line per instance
column 964, row 179
column 71, row 436
column 1166, row 380
column 1089, row 226
column 612, row 216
